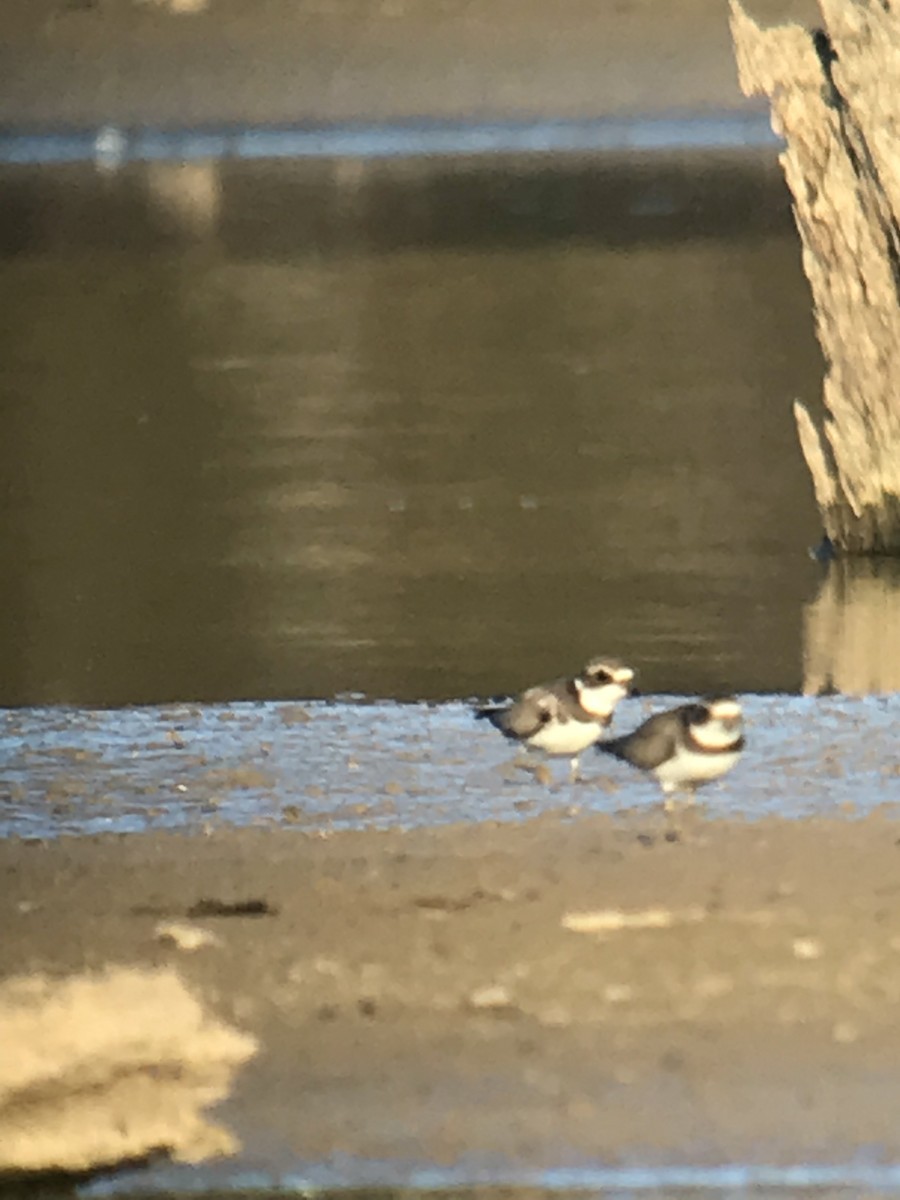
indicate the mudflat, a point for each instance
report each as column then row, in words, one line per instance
column 571, row 989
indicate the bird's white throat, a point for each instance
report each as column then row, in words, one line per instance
column 600, row 701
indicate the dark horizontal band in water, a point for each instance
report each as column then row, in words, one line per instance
column 114, row 145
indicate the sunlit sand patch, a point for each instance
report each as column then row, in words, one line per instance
column 612, row 920
column 105, row 1068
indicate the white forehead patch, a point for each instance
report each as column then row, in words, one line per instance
column 725, row 710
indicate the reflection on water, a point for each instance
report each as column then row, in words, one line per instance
column 189, row 193
column 405, row 1181
column 674, row 131
column 411, row 429
column 852, row 629
column 322, row 767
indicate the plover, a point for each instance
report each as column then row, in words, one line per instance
column 685, row 746
column 565, row 716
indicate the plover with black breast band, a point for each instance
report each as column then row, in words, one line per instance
column 686, row 746
column 566, row 716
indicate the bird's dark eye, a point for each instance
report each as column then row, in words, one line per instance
column 600, row 677
column 545, row 716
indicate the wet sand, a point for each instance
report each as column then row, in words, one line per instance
column 428, row 995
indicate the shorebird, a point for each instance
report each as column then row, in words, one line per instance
column 565, row 716
column 684, row 747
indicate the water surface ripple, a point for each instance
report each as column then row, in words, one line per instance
column 112, row 144
column 380, row 1180
column 334, row 766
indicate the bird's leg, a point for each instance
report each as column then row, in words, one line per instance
column 536, row 768
column 575, row 769
column 677, row 805
column 678, row 798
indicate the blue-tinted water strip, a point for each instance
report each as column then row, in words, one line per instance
column 113, row 146
column 730, row 1180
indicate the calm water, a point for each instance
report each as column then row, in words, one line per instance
column 413, row 431
column 408, row 429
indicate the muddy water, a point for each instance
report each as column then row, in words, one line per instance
column 408, row 429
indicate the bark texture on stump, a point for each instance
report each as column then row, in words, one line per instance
column 835, row 97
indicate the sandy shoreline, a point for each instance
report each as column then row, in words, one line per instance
column 422, row 995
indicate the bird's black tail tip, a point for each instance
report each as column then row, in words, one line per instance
column 611, row 746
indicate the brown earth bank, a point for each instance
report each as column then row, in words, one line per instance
column 143, row 61
column 572, row 989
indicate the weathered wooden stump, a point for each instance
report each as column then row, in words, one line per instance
column 835, row 96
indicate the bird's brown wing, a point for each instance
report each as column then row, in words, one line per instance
column 650, row 744
column 519, row 720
